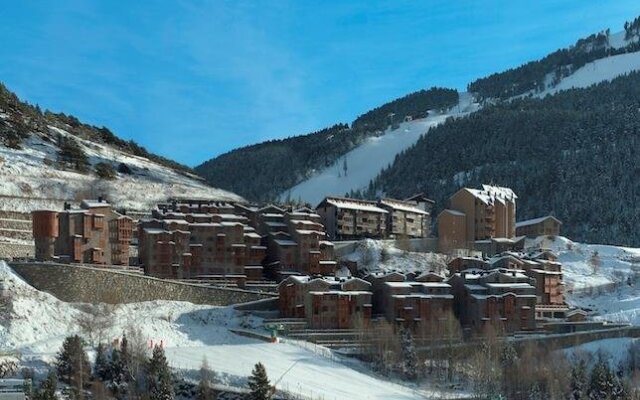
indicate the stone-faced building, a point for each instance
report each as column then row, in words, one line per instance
column 502, row 298
column 326, row 302
column 543, row 226
column 197, row 239
column 92, row 234
column 487, row 213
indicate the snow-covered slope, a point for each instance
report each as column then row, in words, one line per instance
column 604, row 279
column 604, row 69
column 367, row 160
column 36, row 324
column 29, row 180
column 384, row 256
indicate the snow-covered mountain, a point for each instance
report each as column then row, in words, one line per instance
column 367, row 160
column 31, row 175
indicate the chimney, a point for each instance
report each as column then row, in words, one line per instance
column 99, row 199
column 67, row 206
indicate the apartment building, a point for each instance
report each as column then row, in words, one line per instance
column 543, row 226
column 352, row 219
column 296, row 241
column 348, row 219
column 93, row 233
column 326, row 302
column 505, row 299
column 405, row 219
column 199, row 239
column 418, row 302
column 485, row 213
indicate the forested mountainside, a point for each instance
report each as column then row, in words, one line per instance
column 536, row 76
column 23, row 118
column 574, row 154
column 261, row 172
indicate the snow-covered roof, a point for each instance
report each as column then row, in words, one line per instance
column 490, row 194
column 353, row 204
column 402, row 206
column 454, row 212
column 90, row 203
column 285, row 242
column 534, row 221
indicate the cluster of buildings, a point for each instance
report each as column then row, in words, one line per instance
column 220, row 241
column 485, row 219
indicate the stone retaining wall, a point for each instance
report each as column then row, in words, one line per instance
column 11, row 250
column 73, row 283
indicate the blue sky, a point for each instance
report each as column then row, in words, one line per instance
column 193, row 79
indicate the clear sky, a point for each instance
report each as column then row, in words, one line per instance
column 193, row 79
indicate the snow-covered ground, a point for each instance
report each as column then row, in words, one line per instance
column 367, row 160
column 28, row 179
column 604, row 69
column 601, row 278
column 383, row 256
column 37, row 323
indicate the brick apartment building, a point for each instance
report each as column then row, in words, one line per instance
column 93, row 233
column 417, row 302
column 352, row 219
column 477, row 214
column 198, row 239
column 326, row 302
column 295, row 239
column 503, row 298
column 549, row 226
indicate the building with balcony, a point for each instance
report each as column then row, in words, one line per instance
column 93, row 233
column 477, row 214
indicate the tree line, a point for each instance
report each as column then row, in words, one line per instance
column 573, row 155
column 125, row 371
column 536, row 76
column 261, row 172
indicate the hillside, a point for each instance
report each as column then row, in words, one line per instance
column 543, row 75
column 572, row 154
column 48, row 158
column 36, row 323
column 353, row 172
column 263, row 171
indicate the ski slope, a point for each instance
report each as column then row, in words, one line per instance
column 604, row 69
column 367, row 160
column 37, row 323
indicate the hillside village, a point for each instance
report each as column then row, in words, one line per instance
column 496, row 277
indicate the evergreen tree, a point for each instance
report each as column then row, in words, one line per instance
column 409, row 356
column 579, row 380
column 101, row 367
column 118, row 374
column 259, row 383
column 47, row 389
column 160, row 385
column 204, row 385
column 602, row 382
column 73, row 364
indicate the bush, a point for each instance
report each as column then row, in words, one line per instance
column 124, row 169
column 105, row 170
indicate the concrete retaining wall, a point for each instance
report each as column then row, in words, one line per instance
column 73, row 283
